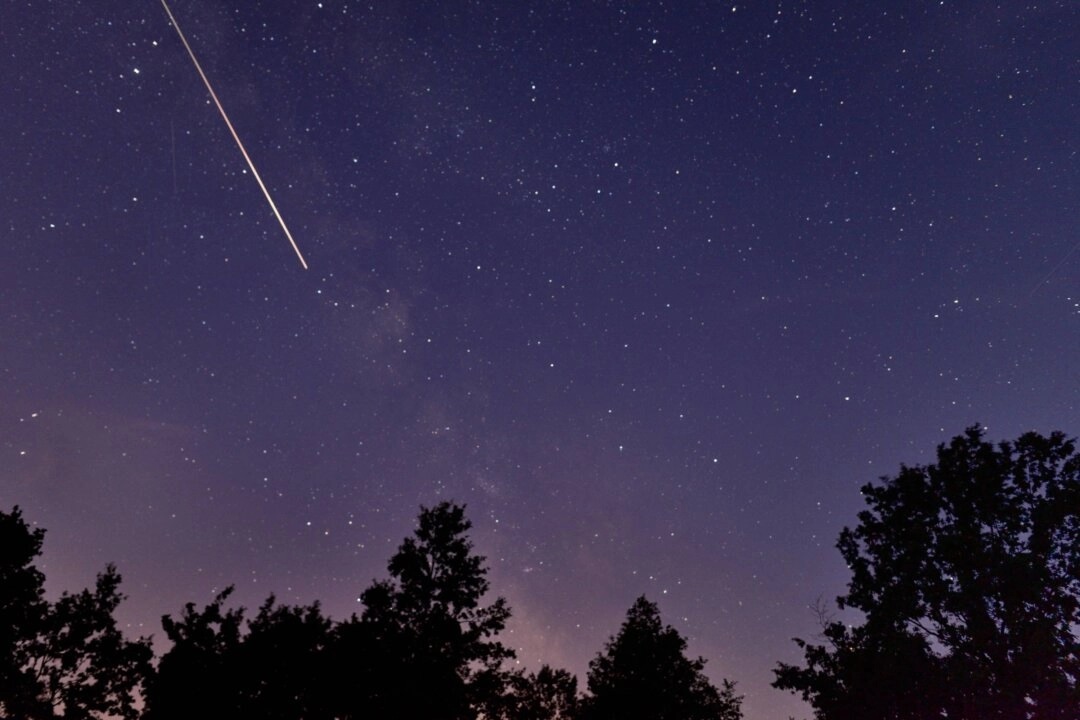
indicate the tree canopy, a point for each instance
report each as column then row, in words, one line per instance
column 965, row 581
column 270, row 667
column 424, row 646
column 428, row 639
column 68, row 658
column 967, row 572
column 643, row 674
column 547, row 694
column 22, row 610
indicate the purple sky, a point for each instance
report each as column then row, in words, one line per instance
column 652, row 287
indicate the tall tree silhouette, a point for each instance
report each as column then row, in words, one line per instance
column 968, row 574
column 644, row 674
column 66, row 658
column 22, row 612
column 424, row 646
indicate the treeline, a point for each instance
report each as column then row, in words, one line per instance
column 966, row 573
column 425, row 646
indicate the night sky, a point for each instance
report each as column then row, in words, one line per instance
column 652, row 287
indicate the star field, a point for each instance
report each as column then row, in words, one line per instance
column 653, row 288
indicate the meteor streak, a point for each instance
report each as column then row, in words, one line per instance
column 232, row 130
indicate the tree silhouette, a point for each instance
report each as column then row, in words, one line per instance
column 643, row 673
column 282, row 663
column 197, row 676
column 547, row 694
column 968, row 574
column 214, row 668
column 67, row 657
column 22, row 612
column 424, row 646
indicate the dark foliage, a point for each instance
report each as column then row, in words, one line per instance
column 644, row 674
column 22, row 612
column 968, row 574
column 196, row 676
column 283, row 663
column 65, row 659
column 425, row 645
column 425, row 648
column 545, row 695
column 273, row 670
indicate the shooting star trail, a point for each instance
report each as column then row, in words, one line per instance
column 232, row 130
column 1053, row 270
